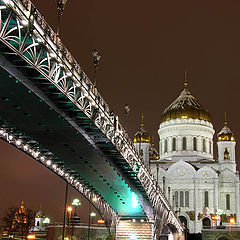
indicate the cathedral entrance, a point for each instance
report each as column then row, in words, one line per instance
column 206, row 223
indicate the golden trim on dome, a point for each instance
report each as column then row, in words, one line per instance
column 185, row 106
column 225, row 134
column 142, row 135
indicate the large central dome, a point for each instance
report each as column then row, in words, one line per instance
column 185, row 106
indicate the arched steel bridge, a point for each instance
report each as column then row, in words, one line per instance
column 50, row 110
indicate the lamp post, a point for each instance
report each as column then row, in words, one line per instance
column 64, row 213
column 69, row 211
column 127, row 109
column 231, row 221
column 96, row 58
column 60, row 7
column 76, row 203
column 94, row 199
column 92, row 214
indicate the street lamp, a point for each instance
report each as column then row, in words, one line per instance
column 60, row 7
column 69, row 211
column 94, row 199
column 231, row 221
column 96, row 58
column 93, row 214
column 76, row 203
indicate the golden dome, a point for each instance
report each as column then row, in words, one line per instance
column 185, row 106
column 225, row 134
column 142, row 135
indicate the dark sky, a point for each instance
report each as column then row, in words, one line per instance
column 145, row 47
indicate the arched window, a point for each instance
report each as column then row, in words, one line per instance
column 37, row 223
column 226, row 154
column 228, row 201
column 206, row 199
column 181, row 199
column 187, row 199
column 204, row 145
column 194, row 144
column 176, row 198
column 165, row 146
column 184, row 143
column 210, row 147
column 174, row 144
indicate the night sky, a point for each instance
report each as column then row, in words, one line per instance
column 145, row 47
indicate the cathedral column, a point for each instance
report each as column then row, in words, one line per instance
column 179, row 143
column 237, row 203
column 199, row 144
column 195, row 181
column 215, row 182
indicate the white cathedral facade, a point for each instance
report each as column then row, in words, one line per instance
column 203, row 191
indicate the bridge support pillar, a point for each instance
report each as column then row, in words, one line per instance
column 137, row 229
column 134, row 229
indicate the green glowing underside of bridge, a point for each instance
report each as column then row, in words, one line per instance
column 27, row 112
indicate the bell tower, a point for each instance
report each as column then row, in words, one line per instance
column 226, row 148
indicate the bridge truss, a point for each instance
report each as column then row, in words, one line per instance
column 25, row 35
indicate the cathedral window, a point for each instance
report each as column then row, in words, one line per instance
column 194, row 144
column 184, row 143
column 226, row 154
column 228, row 201
column 174, row 144
column 165, row 146
column 176, row 198
column 181, row 199
column 187, row 199
column 206, row 199
column 204, row 145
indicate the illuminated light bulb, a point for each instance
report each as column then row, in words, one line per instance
column 48, row 162
column 42, row 159
column 142, row 220
column 54, row 166
column 10, row 137
column 69, row 209
column 25, row 148
column 93, row 214
column 18, row 142
column 94, row 199
column 24, row 22
column 134, row 220
column 36, row 154
column 40, row 40
column 52, row 55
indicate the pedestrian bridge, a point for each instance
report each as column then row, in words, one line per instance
column 51, row 110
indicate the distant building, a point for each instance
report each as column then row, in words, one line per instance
column 40, row 226
column 199, row 187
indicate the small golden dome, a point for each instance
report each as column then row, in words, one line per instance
column 153, row 154
column 142, row 135
column 185, row 106
column 225, row 134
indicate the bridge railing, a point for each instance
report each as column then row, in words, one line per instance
column 63, row 59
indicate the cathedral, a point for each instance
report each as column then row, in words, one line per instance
column 203, row 190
